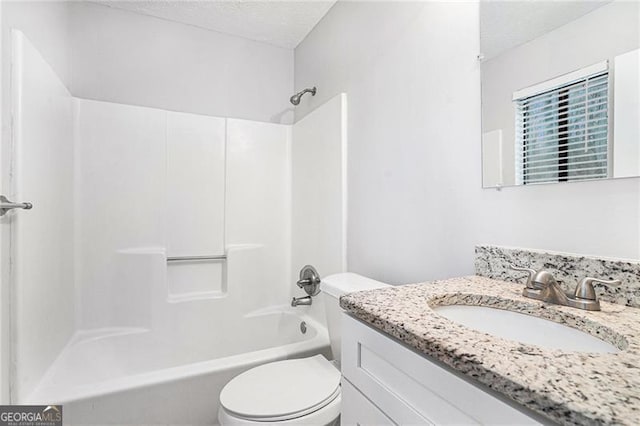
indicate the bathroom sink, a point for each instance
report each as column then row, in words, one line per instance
column 525, row 329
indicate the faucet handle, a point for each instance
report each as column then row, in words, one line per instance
column 531, row 272
column 309, row 280
column 585, row 290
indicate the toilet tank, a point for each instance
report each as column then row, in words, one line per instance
column 334, row 286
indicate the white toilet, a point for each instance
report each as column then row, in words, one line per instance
column 297, row 391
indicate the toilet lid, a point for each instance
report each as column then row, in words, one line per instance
column 282, row 390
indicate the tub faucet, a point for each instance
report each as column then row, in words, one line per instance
column 541, row 285
column 301, row 301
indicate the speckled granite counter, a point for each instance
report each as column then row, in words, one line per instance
column 566, row 387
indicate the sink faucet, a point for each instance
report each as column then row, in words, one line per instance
column 541, row 285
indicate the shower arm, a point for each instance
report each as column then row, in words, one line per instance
column 295, row 99
column 308, row 90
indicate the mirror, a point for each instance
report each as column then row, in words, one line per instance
column 560, row 91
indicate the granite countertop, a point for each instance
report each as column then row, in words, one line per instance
column 566, row 387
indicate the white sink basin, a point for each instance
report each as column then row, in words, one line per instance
column 525, row 329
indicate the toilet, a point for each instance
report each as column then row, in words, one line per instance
column 296, row 391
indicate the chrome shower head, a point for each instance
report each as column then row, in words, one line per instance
column 295, row 99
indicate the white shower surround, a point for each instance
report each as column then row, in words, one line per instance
column 143, row 334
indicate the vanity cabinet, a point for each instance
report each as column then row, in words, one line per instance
column 386, row 383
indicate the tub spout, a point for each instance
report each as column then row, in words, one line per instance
column 304, row 301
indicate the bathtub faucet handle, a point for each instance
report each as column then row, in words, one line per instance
column 310, row 282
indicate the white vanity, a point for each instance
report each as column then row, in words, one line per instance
column 387, row 383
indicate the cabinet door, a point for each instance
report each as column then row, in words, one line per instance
column 358, row 410
column 411, row 389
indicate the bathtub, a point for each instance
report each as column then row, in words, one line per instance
column 138, row 376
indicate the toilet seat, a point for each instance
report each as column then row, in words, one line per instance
column 282, row 390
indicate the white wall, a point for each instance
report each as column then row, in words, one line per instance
column 124, row 57
column 416, row 207
column 41, row 238
column 409, row 71
column 546, row 57
column 595, row 218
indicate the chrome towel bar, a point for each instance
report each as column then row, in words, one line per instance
column 188, row 258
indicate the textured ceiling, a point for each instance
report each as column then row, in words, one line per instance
column 506, row 24
column 281, row 23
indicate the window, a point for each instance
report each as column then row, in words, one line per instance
column 562, row 128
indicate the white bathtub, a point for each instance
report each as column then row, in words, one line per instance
column 136, row 376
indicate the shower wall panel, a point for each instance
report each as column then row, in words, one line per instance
column 195, row 204
column 319, row 194
column 319, row 188
column 258, row 205
column 195, row 184
column 120, row 193
column 41, row 238
column 154, row 184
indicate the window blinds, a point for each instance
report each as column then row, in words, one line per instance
column 562, row 133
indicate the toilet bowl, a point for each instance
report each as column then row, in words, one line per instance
column 297, row 391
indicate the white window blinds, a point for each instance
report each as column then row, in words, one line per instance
column 562, row 133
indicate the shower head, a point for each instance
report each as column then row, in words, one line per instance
column 295, row 99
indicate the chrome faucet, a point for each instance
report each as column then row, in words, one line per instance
column 541, row 285
column 301, row 301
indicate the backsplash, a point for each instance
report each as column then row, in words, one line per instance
column 568, row 269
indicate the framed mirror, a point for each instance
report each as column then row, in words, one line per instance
column 560, row 91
